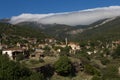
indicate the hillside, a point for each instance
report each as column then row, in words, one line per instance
column 13, row 34
column 23, row 31
column 109, row 30
column 58, row 31
column 102, row 29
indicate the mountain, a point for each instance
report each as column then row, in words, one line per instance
column 109, row 30
column 58, row 31
column 22, row 31
column 61, row 31
column 103, row 29
column 6, row 20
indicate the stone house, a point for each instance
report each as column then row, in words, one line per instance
column 39, row 53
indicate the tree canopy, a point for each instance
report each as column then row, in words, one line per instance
column 63, row 65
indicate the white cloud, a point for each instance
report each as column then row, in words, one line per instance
column 83, row 17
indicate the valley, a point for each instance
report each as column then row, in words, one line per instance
column 63, row 52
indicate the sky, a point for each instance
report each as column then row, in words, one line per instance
column 9, row 8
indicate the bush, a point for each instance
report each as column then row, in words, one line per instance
column 91, row 70
column 111, row 72
column 36, row 76
column 41, row 60
column 116, row 54
column 104, row 61
column 10, row 70
column 63, row 66
column 32, row 61
column 0, row 52
column 19, row 57
column 96, row 78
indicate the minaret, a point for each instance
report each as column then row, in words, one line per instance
column 0, row 42
column 66, row 41
column 0, row 39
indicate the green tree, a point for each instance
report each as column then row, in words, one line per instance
column 95, row 77
column 111, row 72
column 89, row 69
column 19, row 57
column 116, row 54
column 105, row 61
column 65, row 51
column 63, row 66
column 36, row 76
column 0, row 52
column 11, row 70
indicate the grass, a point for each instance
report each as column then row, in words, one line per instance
column 79, row 76
column 33, row 63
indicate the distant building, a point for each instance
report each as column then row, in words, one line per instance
column 39, row 53
column 74, row 46
column 50, row 40
column 12, row 53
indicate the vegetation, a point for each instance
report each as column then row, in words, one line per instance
column 63, row 66
column 41, row 60
column 111, row 73
column 97, row 78
column 116, row 54
column 91, row 70
column 12, row 34
column 109, row 31
column 19, row 57
column 97, row 58
column 23, row 31
column 10, row 70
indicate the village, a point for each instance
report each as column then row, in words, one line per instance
column 41, row 56
column 34, row 50
column 50, row 47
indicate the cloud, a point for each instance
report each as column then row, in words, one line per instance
column 83, row 17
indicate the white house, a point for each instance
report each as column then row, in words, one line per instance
column 12, row 53
column 89, row 52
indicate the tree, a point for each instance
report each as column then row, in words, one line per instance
column 89, row 69
column 36, row 76
column 105, row 61
column 116, row 54
column 95, row 77
column 65, row 51
column 63, row 66
column 111, row 72
column 11, row 70
column 19, row 57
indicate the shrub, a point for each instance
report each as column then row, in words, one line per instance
column 36, row 76
column 63, row 66
column 32, row 61
column 111, row 73
column 116, row 54
column 19, row 57
column 95, row 77
column 104, row 61
column 91, row 70
column 41, row 60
